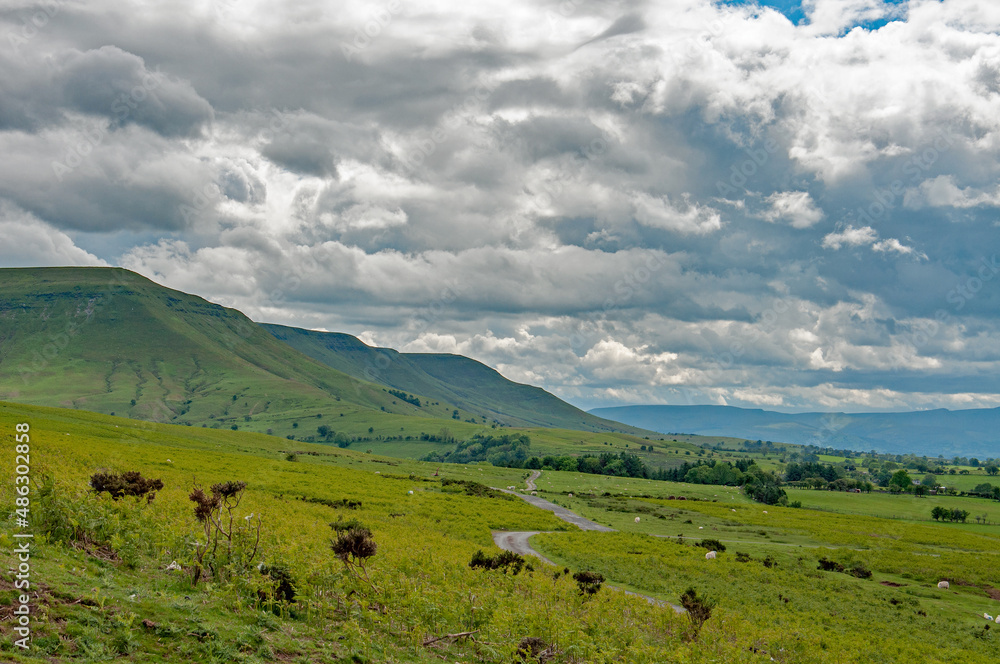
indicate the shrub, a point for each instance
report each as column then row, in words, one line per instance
column 505, row 560
column 699, row 610
column 218, row 528
column 860, row 571
column 742, row 557
column 712, row 545
column 588, row 582
column 830, row 565
column 129, row 483
column 354, row 545
column 281, row 587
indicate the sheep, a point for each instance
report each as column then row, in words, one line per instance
column 989, row 617
column 569, row 496
column 765, row 511
column 998, row 619
column 701, row 527
column 410, row 492
column 710, row 555
column 534, row 493
column 732, row 510
column 637, row 519
column 944, row 585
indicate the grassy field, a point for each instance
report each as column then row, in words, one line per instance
column 106, row 594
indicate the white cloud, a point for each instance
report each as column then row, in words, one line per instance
column 28, row 242
column 851, row 236
column 796, row 207
column 659, row 212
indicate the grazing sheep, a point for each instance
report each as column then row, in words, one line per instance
column 410, row 492
column 733, row 510
column 765, row 511
column 710, row 555
column 944, row 585
column 637, row 519
column 534, row 493
column 569, row 496
column 989, row 617
column 701, row 527
column 998, row 620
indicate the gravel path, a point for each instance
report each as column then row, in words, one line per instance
column 517, row 541
column 530, row 482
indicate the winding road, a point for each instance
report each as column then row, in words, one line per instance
column 517, row 541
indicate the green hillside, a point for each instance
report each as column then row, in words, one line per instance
column 109, row 340
column 464, row 382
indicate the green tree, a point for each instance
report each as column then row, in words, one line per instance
column 992, row 469
column 901, row 480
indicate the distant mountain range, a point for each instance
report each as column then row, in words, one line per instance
column 112, row 341
column 932, row 432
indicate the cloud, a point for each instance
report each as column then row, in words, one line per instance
column 671, row 199
column 28, row 242
column 796, row 207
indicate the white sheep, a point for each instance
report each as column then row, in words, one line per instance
column 637, row 519
column 944, row 585
column 569, row 496
column 998, row 620
column 989, row 617
column 710, row 555
column 534, row 493
column 701, row 527
column 410, row 492
column 765, row 511
column 732, row 510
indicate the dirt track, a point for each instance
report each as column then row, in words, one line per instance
column 517, row 541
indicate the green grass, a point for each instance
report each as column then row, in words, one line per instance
column 92, row 608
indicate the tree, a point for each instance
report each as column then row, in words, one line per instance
column 940, row 513
column 992, row 469
column 324, row 431
column 929, row 481
column 901, row 480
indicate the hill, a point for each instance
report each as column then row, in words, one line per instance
column 455, row 379
column 932, row 433
column 112, row 341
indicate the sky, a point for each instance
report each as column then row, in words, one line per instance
column 785, row 205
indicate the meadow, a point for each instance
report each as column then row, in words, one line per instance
column 109, row 595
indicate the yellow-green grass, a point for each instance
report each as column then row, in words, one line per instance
column 793, row 612
column 91, row 609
